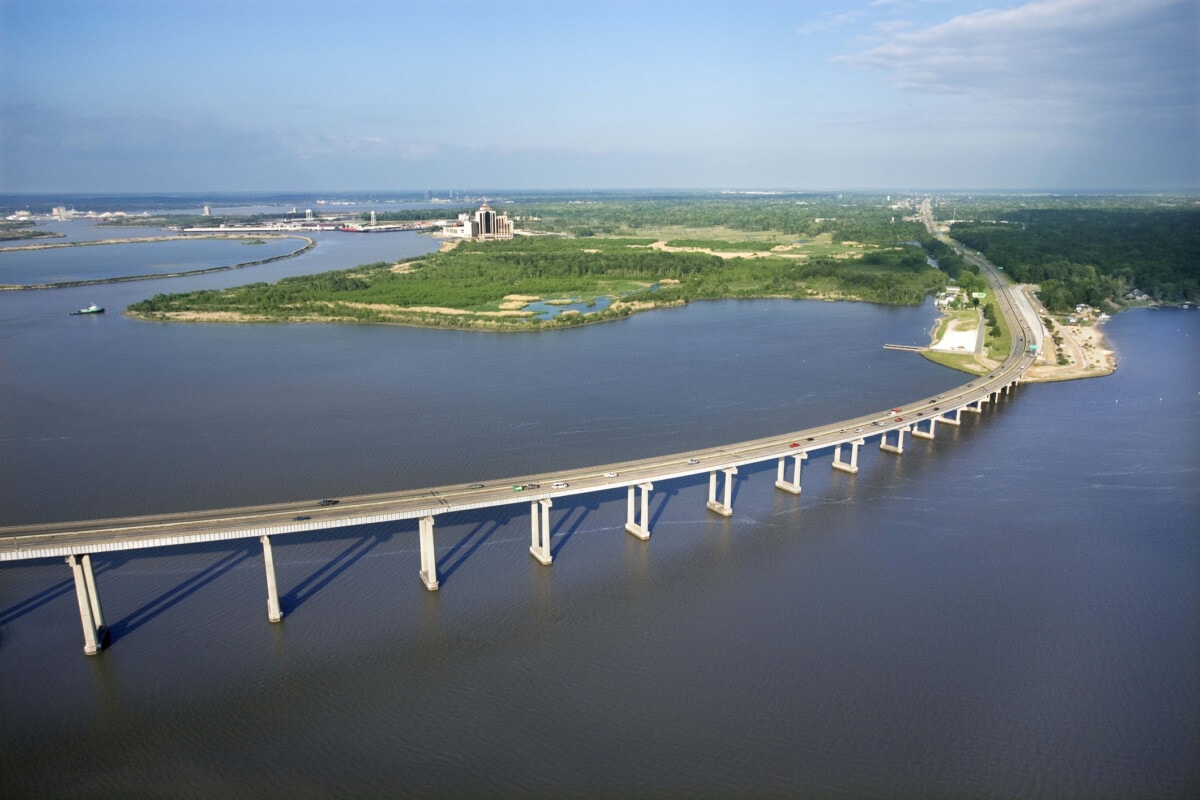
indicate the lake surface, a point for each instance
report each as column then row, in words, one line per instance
column 43, row 265
column 1008, row 610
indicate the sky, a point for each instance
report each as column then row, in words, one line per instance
column 232, row 96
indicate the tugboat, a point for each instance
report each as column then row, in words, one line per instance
column 92, row 309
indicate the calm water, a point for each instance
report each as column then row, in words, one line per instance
column 1010, row 610
column 97, row 262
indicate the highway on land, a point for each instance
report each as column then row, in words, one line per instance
column 92, row 536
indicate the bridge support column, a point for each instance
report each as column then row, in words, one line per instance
column 539, row 515
column 852, row 465
column 920, row 434
column 725, row 509
column 274, row 614
column 94, row 632
column 956, row 420
column 428, row 554
column 975, row 409
column 896, row 448
column 781, row 482
column 640, row 530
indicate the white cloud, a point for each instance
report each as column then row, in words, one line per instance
column 827, row 21
column 1080, row 57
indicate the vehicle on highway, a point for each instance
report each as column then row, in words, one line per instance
column 894, row 411
column 475, row 486
column 858, row 430
column 300, row 517
column 327, row 503
column 809, row 439
column 611, row 474
column 899, row 419
column 693, row 461
column 518, row 488
column 559, row 485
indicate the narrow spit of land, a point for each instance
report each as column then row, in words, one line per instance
column 308, row 244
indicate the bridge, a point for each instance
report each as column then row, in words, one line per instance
column 78, row 541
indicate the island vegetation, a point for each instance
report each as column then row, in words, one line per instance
column 600, row 258
column 16, row 230
column 612, row 258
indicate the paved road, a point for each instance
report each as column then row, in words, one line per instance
column 88, row 536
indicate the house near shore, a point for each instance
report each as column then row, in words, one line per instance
column 946, row 297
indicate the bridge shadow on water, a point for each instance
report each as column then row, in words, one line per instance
column 481, row 530
column 30, row 604
column 172, row 597
column 566, row 527
column 374, row 535
column 482, row 525
column 101, row 565
column 664, row 494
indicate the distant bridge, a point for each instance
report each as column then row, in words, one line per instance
column 77, row 541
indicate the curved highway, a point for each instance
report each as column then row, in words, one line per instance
column 92, row 536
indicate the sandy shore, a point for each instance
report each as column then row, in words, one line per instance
column 1085, row 350
column 960, row 336
column 1084, row 347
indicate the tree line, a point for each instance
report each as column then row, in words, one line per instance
column 1093, row 255
column 478, row 275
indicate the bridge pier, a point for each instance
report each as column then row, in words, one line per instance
column 780, row 482
column 94, row 632
column 725, row 509
column 956, row 420
column 640, row 530
column 274, row 613
column 920, row 434
column 896, row 448
column 428, row 554
column 852, row 465
column 976, row 409
column 539, row 516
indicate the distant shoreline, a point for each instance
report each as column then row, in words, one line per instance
column 309, row 244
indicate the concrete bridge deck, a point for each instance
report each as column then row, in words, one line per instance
column 129, row 533
column 78, row 540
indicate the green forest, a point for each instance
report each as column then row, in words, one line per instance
column 1093, row 250
column 476, row 277
column 1094, row 255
